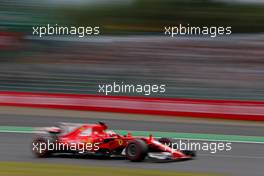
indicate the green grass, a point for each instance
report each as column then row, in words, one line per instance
column 185, row 136
column 33, row 169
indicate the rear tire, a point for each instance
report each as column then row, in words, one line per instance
column 136, row 150
column 40, row 147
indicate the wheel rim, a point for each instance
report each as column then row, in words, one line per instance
column 132, row 150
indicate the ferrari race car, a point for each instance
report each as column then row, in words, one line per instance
column 97, row 140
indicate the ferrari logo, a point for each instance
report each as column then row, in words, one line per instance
column 120, row 142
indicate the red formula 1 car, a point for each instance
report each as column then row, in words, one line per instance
column 96, row 139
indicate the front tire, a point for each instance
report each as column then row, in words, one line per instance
column 136, row 150
column 189, row 153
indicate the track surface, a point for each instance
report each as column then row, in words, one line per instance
column 137, row 125
column 243, row 160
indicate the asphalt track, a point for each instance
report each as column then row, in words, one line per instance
column 244, row 159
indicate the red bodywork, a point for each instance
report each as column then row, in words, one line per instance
column 108, row 142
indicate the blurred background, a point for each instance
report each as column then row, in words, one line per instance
column 132, row 47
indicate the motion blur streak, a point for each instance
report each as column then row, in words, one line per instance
column 227, row 163
column 133, row 49
column 197, row 68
